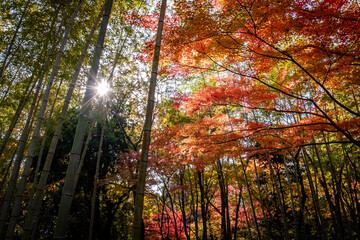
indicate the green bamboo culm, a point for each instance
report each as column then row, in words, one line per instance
column 140, row 187
column 67, row 192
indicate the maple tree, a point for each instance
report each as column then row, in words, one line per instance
column 279, row 83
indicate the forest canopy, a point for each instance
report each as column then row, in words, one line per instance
column 208, row 119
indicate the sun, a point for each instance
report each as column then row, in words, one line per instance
column 102, row 88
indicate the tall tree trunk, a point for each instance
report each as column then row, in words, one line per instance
column 161, row 224
column 250, row 197
column 336, row 190
column 297, row 230
column 222, row 197
column 237, row 216
column 16, row 117
column 228, row 221
column 352, row 170
column 43, row 142
column 326, row 189
column 241, row 198
column 29, row 159
column 262, row 202
column 247, row 219
column 225, row 224
column 67, row 193
column 8, row 52
column 83, row 155
column 14, row 175
column 283, row 213
column 315, row 199
column 35, row 203
column 353, row 195
column 94, row 193
column 300, row 190
column 7, row 171
column 172, row 211
column 38, row 84
column 194, row 209
column 182, row 204
column 19, row 155
column 202, row 203
column 140, row 187
column 5, row 92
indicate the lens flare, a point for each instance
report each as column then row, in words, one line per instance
column 102, row 88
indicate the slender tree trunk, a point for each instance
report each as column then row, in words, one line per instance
column 222, row 196
column 32, row 216
column 240, row 196
column 326, row 189
column 297, row 230
column 262, row 202
column 140, row 187
column 336, row 190
column 225, row 218
column 22, row 144
column 193, row 210
column 182, row 200
column 357, row 200
column 19, row 155
column 354, row 200
column 301, row 192
column 16, row 117
column 94, row 193
column 250, row 197
column 161, row 226
column 202, row 203
column 29, row 159
column 35, row 203
column 314, row 197
column 173, row 212
column 282, row 191
column 6, row 138
column 67, row 196
column 6, row 174
column 15, row 171
column 352, row 176
column 83, row 155
column 247, row 219
column 8, row 52
column 117, row 56
column 228, row 221
column 43, row 142
column 5, row 92
column 237, row 216
column 285, row 224
column 40, row 78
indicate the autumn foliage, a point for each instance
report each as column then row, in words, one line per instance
column 279, row 91
column 255, row 132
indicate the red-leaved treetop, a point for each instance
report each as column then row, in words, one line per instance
column 295, row 60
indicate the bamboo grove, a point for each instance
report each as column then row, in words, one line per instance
column 208, row 119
